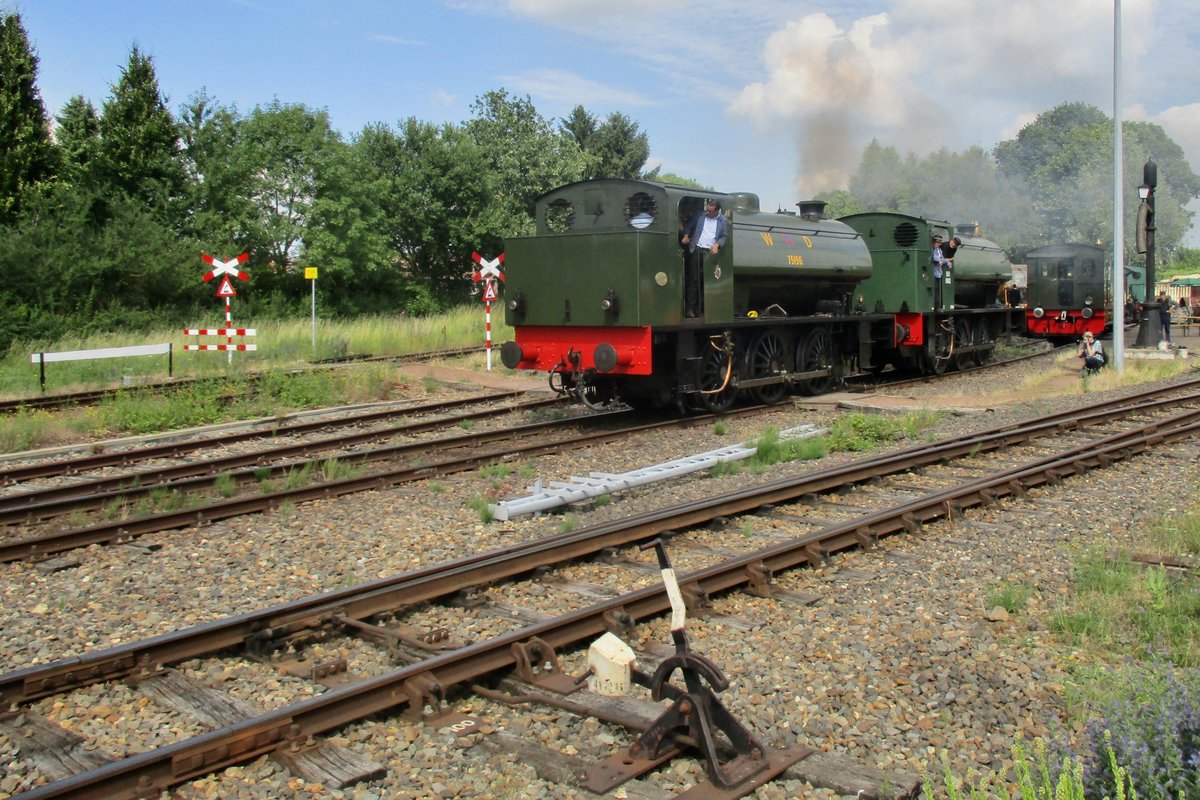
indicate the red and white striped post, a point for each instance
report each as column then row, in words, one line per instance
column 488, row 272
column 225, row 269
column 228, row 325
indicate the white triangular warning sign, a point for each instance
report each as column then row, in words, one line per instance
column 489, row 291
column 226, row 289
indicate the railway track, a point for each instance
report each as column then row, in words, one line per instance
column 409, row 462
column 1057, row 445
column 102, row 507
column 93, row 396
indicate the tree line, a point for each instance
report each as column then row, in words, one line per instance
column 104, row 211
column 1052, row 183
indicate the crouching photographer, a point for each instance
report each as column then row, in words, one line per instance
column 1092, row 353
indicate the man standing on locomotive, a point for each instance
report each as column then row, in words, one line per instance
column 705, row 234
column 941, row 267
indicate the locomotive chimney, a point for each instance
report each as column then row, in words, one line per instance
column 812, row 209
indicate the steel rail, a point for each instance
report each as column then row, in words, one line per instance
column 19, row 507
column 122, row 530
column 56, row 500
column 90, row 396
column 50, row 469
column 447, row 578
column 294, row 725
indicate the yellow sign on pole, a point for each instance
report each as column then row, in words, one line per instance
column 310, row 273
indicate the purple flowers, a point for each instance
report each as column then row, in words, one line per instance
column 1154, row 731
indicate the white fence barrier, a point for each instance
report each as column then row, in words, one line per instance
column 42, row 359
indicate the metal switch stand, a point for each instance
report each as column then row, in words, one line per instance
column 695, row 720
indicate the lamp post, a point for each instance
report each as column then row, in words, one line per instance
column 1150, row 325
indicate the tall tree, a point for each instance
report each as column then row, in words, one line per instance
column 346, row 236
column 1177, row 186
column 286, row 145
column 437, row 201
column 882, row 181
column 527, row 156
column 620, row 147
column 26, row 151
column 581, row 126
column 139, row 140
column 1065, row 157
column 78, row 136
column 220, row 171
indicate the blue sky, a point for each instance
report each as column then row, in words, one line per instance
column 776, row 97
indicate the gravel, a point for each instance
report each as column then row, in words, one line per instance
column 898, row 663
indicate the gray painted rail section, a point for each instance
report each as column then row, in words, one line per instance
column 596, row 484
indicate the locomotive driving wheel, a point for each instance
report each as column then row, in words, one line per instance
column 942, row 347
column 768, row 357
column 983, row 336
column 717, row 389
column 815, row 352
column 964, row 356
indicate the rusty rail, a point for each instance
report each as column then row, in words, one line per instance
column 410, row 685
column 105, row 532
column 51, row 469
column 448, row 578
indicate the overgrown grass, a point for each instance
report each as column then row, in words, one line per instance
column 480, row 506
column 1012, row 597
column 1125, row 606
column 854, row 432
column 225, row 485
column 496, row 469
column 202, row 403
column 1134, row 372
column 281, row 343
column 1136, row 681
column 282, row 346
column 861, row 432
column 1039, row 778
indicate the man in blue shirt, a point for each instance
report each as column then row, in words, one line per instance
column 941, row 265
column 705, row 234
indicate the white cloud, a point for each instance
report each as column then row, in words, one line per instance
column 576, row 13
column 387, row 38
column 442, row 98
column 929, row 74
column 568, row 89
column 832, row 85
column 1181, row 123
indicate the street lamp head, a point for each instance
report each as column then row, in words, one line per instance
column 1144, row 191
column 1150, row 174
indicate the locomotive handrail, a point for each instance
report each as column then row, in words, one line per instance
column 758, row 226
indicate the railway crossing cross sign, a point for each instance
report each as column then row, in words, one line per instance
column 225, row 270
column 488, row 272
